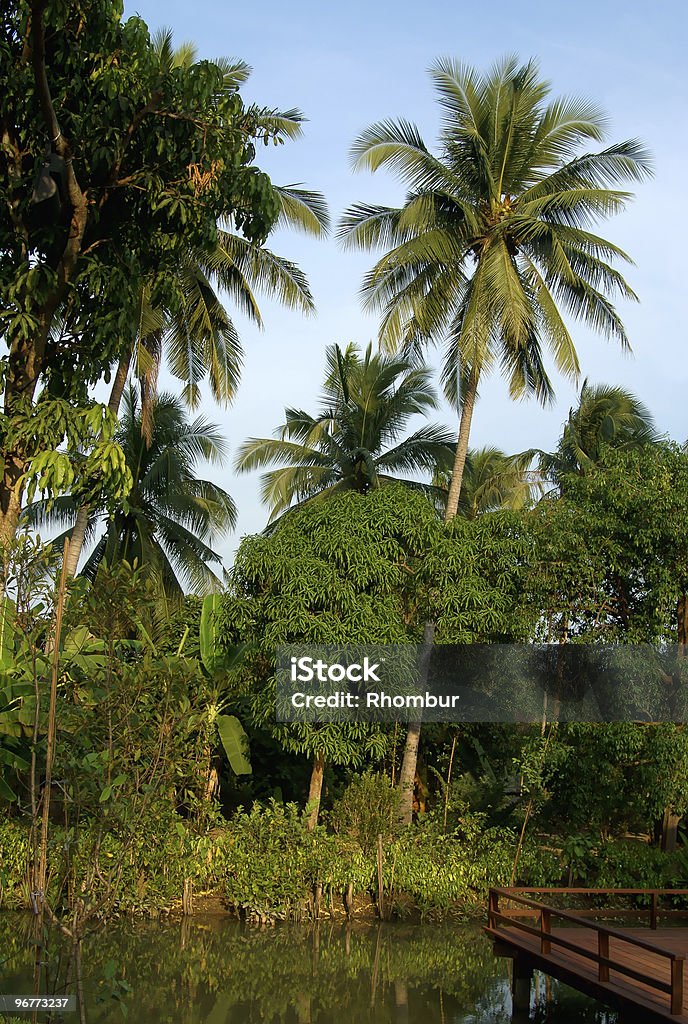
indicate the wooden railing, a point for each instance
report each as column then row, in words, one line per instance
column 545, row 913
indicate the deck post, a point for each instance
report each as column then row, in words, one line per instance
column 520, row 984
column 677, row 986
column 603, row 951
column 492, row 908
column 653, row 911
column 545, row 929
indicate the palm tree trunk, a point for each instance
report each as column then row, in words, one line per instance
column 118, row 383
column 81, row 524
column 410, row 760
column 315, row 790
column 462, row 445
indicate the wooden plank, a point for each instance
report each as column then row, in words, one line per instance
column 584, row 974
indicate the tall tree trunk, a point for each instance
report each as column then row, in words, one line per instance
column 78, row 534
column 24, row 365
column 10, row 498
column 467, row 407
column 669, row 830
column 407, row 775
column 410, row 760
column 26, row 355
column 315, row 790
column 120, row 379
column 42, row 876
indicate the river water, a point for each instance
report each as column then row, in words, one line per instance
column 214, row 970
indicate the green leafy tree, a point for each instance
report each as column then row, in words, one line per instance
column 170, row 517
column 610, row 564
column 368, row 569
column 353, row 442
column 198, row 335
column 611, row 557
column 605, row 416
column 112, row 167
column 493, row 240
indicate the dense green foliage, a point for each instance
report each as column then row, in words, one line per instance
column 140, row 759
column 114, row 164
column 170, row 517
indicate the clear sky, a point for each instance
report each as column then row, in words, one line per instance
column 348, row 64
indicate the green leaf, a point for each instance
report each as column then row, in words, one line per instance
column 7, row 613
column 6, row 793
column 235, row 743
column 211, row 655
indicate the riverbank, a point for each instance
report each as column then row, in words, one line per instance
column 265, row 865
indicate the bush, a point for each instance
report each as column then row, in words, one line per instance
column 627, row 863
column 367, row 808
column 268, row 861
column 142, row 871
column 14, row 865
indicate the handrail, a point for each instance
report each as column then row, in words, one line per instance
column 568, row 915
column 604, row 933
column 592, row 892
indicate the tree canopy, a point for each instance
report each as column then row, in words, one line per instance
column 113, row 164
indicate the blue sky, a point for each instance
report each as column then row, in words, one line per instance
column 347, row 65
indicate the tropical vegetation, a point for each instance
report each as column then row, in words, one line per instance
column 142, row 765
column 170, row 516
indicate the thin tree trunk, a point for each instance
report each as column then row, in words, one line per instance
column 407, row 775
column 669, row 830
column 120, row 379
column 407, row 772
column 10, row 500
column 315, row 790
column 51, row 738
column 408, row 768
column 449, row 775
column 78, row 534
column 462, row 445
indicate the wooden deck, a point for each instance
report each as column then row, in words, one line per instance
column 639, row 970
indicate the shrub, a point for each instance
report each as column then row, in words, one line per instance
column 367, row 808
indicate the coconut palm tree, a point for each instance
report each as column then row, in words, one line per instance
column 491, row 480
column 352, row 443
column 170, row 518
column 605, row 416
column 493, row 243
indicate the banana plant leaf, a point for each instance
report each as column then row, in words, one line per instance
column 235, row 743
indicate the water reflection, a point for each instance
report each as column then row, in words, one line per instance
column 213, row 970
